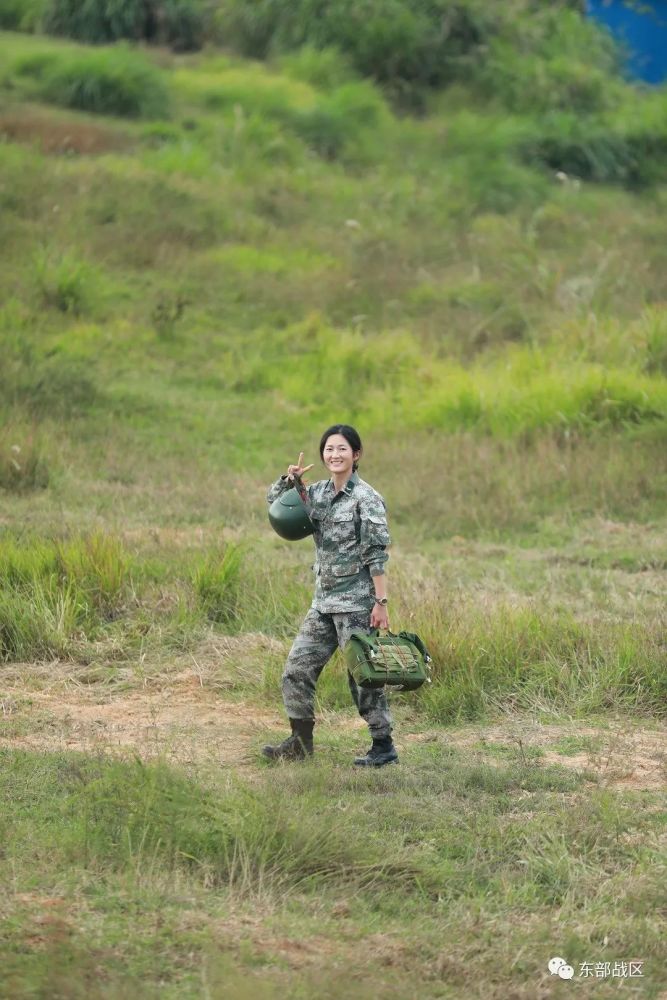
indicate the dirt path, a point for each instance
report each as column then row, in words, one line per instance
column 184, row 720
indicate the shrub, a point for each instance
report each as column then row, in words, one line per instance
column 339, row 120
column 626, row 147
column 401, row 43
column 566, row 63
column 109, row 82
column 98, row 20
column 329, row 123
column 35, row 65
column 22, row 15
column 65, row 283
column 325, row 68
column 524, row 54
column 534, row 83
column 179, row 23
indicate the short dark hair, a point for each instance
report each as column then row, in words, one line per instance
column 350, row 435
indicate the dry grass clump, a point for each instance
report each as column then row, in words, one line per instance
column 58, row 136
column 23, row 460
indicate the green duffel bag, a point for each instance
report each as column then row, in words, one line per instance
column 399, row 660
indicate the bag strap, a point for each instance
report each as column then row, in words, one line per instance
column 363, row 637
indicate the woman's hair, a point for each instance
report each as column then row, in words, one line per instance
column 350, row 436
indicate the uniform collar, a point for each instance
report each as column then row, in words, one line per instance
column 351, row 483
column 349, row 486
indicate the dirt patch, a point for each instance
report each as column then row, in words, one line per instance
column 55, row 136
column 620, row 755
column 185, row 716
column 634, row 760
column 183, row 722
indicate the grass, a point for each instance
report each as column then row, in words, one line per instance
column 115, row 81
column 23, row 465
column 276, row 862
column 510, row 652
column 186, row 302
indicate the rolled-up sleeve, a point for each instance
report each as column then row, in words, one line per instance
column 374, row 535
column 283, row 484
column 280, row 486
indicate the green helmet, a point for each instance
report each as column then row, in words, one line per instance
column 289, row 518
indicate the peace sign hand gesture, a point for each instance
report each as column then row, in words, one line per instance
column 296, row 471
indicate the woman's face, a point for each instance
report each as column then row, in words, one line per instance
column 338, row 455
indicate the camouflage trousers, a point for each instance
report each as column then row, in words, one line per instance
column 319, row 637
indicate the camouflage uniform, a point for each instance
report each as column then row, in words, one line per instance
column 351, row 539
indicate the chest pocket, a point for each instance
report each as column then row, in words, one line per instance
column 317, row 519
column 341, row 530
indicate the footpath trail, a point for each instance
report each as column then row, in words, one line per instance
column 180, row 718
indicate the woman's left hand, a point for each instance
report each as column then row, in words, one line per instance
column 379, row 617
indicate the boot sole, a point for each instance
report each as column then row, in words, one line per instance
column 384, row 763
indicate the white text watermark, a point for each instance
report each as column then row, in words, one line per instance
column 630, row 969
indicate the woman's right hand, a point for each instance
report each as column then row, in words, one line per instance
column 298, row 469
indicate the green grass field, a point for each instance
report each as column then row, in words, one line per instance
column 206, row 261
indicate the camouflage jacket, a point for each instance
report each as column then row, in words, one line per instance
column 351, row 539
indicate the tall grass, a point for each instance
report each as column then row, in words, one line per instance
column 24, row 465
column 108, row 82
column 216, row 583
column 331, row 124
column 486, row 658
column 52, row 593
column 517, row 658
column 529, row 391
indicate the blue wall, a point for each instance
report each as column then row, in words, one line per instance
column 642, row 29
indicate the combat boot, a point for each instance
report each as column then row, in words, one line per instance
column 298, row 746
column 382, row 752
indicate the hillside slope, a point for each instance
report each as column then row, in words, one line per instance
column 273, row 242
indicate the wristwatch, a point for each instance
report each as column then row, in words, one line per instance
column 382, row 601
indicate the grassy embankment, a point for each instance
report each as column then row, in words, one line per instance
column 189, row 294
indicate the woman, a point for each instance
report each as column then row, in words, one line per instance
column 349, row 521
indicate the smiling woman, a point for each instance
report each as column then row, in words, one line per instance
column 349, row 521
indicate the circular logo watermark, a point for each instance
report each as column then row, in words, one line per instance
column 559, row 967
